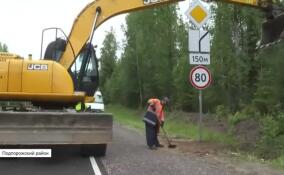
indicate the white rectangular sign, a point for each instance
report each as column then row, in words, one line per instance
column 199, row 47
column 199, row 59
column 31, row 153
column 199, row 41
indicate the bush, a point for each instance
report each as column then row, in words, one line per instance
column 279, row 161
column 247, row 112
column 251, row 111
column 234, row 119
column 221, row 112
column 271, row 145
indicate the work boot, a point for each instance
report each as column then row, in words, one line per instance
column 160, row 145
column 152, row 148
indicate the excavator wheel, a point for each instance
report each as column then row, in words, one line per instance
column 272, row 30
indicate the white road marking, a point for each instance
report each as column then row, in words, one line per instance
column 95, row 166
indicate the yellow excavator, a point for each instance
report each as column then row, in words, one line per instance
column 68, row 75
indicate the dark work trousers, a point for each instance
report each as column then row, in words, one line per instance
column 151, row 135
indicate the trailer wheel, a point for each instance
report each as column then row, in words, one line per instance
column 97, row 150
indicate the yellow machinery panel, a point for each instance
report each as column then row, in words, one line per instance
column 37, row 77
column 4, row 64
column 36, row 81
column 61, row 80
column 15, row 75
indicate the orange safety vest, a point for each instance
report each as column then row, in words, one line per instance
column 158, row 108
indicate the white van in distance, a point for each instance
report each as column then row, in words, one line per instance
column 98, row 104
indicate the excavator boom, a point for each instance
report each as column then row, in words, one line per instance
column 97, row 12
column 84, row 26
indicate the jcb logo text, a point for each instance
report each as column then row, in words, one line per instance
column 42, row 67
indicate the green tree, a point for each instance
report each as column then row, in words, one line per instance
column 3, row 47
column 108, row 60
column 150, row 54
column 268, row 98
column 184, row 96
column 234, row 65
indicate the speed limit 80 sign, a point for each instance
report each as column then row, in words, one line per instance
column 200, row 77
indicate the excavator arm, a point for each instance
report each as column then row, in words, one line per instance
column 97, row 12
column 252, row 3
column 273, row 25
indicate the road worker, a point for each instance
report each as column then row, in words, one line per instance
column 152, row 125
column 80, row 107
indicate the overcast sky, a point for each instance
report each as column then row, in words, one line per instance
column 22, row 22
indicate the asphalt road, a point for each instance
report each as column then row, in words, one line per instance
column 127, row 155
column 69, row 162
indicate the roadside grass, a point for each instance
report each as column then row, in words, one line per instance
column 279, row 162
column 174, row 127
column 241, row 156
column 125, row 116
column 180, row 129
column 183, row 129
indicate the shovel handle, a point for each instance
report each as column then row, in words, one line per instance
column 165, row 134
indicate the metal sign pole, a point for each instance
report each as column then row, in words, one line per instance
column 200, row 78
column 200, row 115
column 199, row 52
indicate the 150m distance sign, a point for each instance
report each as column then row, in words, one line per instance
column 199, row 47
column 200, row 77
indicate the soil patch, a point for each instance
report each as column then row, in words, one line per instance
column 200, row 148
column 247, row 133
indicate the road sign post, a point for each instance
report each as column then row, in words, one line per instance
column 200, row 115
column 200, row 78
column 199, row 52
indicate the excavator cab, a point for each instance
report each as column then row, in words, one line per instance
column 272, row 30
column 84, row 71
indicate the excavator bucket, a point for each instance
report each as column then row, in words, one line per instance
column 272, row 31
column 55, row 128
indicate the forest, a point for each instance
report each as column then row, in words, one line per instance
column 246, row 83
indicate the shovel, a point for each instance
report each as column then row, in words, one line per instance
column 170, row 145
